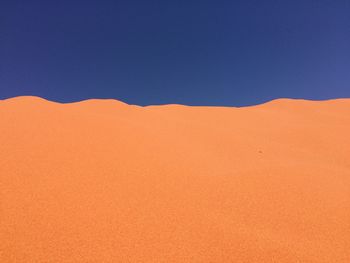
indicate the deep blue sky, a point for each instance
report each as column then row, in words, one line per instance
column 193, row 52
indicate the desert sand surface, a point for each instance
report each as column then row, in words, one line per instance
column 103, row 181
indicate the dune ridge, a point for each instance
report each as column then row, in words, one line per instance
column 104, row 100
column 104, row 181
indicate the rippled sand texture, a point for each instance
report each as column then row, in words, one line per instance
column 103, row 181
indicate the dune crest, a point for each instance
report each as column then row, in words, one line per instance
column 104, row 181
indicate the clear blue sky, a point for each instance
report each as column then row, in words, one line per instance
column 189, row 52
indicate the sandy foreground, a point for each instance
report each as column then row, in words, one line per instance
column 103, row 181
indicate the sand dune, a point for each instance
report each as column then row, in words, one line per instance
column 103, row 181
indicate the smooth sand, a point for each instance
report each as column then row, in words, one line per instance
column 103, row 181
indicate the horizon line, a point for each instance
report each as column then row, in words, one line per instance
column 35, row 97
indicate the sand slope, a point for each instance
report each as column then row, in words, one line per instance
column 103, row 181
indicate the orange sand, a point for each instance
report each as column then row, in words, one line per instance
column 103, row 181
